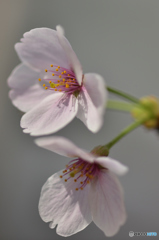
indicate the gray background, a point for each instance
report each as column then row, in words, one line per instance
column 118, row 39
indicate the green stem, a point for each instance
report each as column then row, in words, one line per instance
column 119, row 105
column 122, row 94
column 125, row 132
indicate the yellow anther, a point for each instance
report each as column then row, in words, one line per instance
column 58, row 80
column 61, row 176
column 64, row 171
column 64, row 71
column 58, row 66
column 72, row 174
column 75, row 180
column 55, row 89
column 57, row 69
column 81, row 166
column 65, row 180
column 57, row 85
column 76, row 189
column 73, row 79
column 50, row 82
column 63, row 79
column 81, row 182
column 53, row 74
column 59, row 76
column 46, row 88
column 60, row 90
column 68, row 75
column 91, row 176
column 67, row 85
column 51, row 65
column 81, row 188
column 44, row 85
column 45, row 70
column 88, row 182
column 52, row 85
column 39, row 79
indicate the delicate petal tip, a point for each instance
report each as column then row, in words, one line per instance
column 60, row 30
column 112, row 165
column 64, row 147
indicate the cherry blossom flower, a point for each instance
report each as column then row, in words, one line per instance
column 49, row 85
column 86, row 190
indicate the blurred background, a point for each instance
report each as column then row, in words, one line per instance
column 118, row 39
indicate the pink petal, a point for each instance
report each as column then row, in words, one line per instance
column 26, row 92
column 40, row 47
column 107, row 204
column 50, row 115
column 61, row 204
column 96, row 89
column 73, row 60
column 25, row 100
column 64, row 147
column 113, row 165
column 92, row 100
column 22, row 77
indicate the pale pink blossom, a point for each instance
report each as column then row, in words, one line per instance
column 49, row 85
column 86, row 190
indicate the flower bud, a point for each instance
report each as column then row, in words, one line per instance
column 148, row 108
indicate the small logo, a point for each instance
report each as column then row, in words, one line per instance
column 131, row 234
column 137, row 234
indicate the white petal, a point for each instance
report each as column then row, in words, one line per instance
column 61, row 204
column 63, row 147
column 107, row 204
column 73, row 60
column 40, row 47
column 88, row 113
column 52, row 114
column 113, row 165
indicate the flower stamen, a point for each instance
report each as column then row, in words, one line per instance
column 82, row 170
column 65, row 82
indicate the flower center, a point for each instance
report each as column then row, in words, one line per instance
column 60, row 79
column 81, row 172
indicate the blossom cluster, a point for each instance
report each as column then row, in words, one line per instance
column 49, row 86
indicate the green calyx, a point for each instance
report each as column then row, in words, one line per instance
column 100, row 151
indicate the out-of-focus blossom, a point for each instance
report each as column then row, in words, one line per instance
column 62, row 92
column 86, row 190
